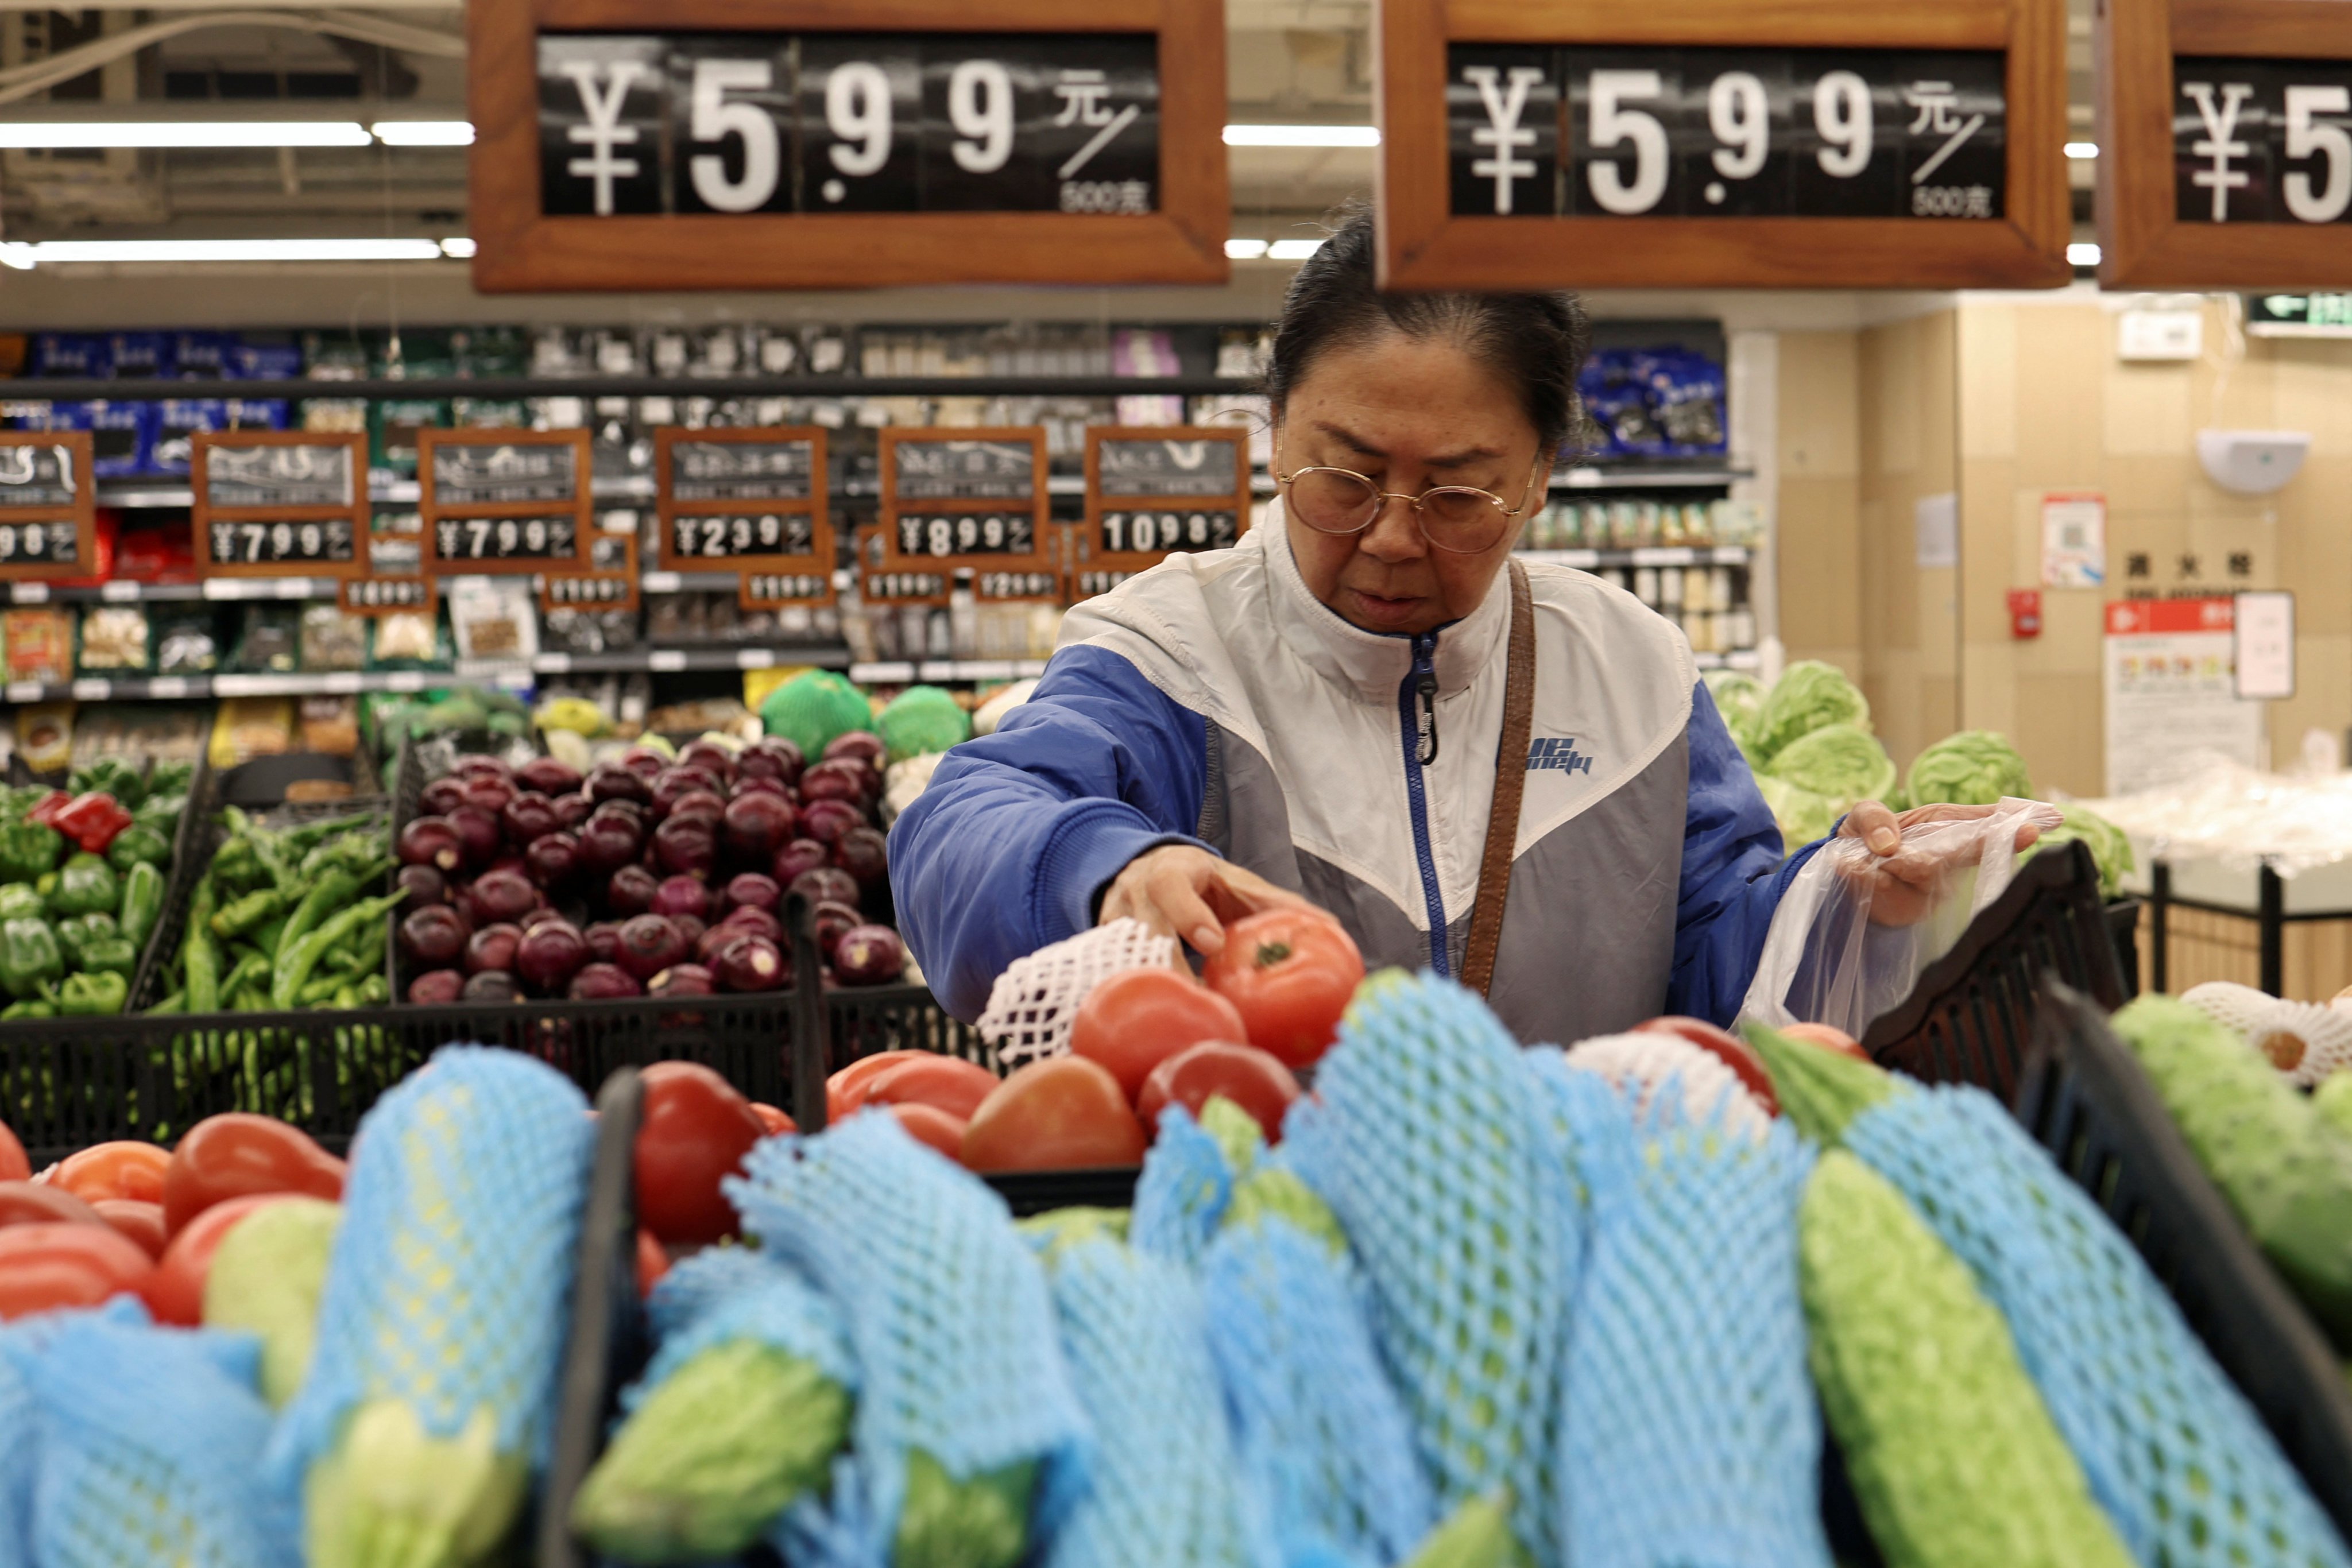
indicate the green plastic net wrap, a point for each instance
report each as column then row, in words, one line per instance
column 1842, row 763
column 813, row 707
column 922, row 719
column 1803, row 815
column 1809, row 695
column 1973, row 768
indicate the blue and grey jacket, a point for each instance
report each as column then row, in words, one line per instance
column 1212, row 700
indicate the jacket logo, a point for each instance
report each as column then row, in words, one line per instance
column 1559, row 753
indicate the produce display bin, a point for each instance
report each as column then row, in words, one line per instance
column 2090, row 1103
column 1971, row 1017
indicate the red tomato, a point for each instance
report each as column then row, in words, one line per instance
column 137, row 1221
column 1828, row 1037
column 46, row 1267
column 1134, row 1020
column 1061, row 1113
column 1250, row 1078
column 697, row 1129
column 237, row 1154
column 38, row 1202
column 948, row 1083
column 929, row 1125
column 1729, row 1048
column 175, row 1291
column 120, row 1170
column 1291, row 972
column 841, row 1090
column 14, row 1166
column 776, row 1121
column 652, row 1263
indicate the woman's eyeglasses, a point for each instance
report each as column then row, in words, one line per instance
column 1461, row 519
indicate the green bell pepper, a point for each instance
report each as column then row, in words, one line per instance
column 29, row 957
column 72, row 937
column 135, row 845
column 87, row 885
column 32, row 1008
column 163, row 813
column 108, row 955
column 112, row 776
column 171, row 777
column 21, row 901
column 142, row 901
column 92, row 995
column 27, row 850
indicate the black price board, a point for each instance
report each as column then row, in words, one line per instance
column 386, row 595
column 279, row 503
column 964, row 498
column 611, row 128
column 1550, row 142
column 749, row 465
column 742, row 499
column 784, row 589
column 1153, row 493
column 942, row 534
column 505, row 500
column 2263, row 141
column 48, row 510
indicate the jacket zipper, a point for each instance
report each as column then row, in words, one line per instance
column 1418, row 688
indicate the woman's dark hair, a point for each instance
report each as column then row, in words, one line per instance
column 1537, row 342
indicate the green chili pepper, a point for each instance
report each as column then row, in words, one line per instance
column 249, row 968
column 87, row 885
column 27, row 850
column 32, row 1008
column 135, row 845
column 247, row 914
column 177, row 1002
column 271, row 937
column 142, row 902
column 375, row 991
column 92, row 994
column 199, row 960
column 110, row 956
column 294, row 966
column 318, row 993
column 237, row 868
column 29, row 956
column 334, row 890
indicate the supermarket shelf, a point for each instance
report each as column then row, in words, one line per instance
column 903, row 672
column 1653, row 555
column 240, row 587
column 129, row 494
column 1642, row 477
column 1737, row 659
column 75, row 389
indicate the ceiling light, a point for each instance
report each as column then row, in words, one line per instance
column 2083, row 256
column 17, row 255
column 1294, row 249
column 457, row 246
column 1244, row 249
column 2082, row 150
column 1302, row 136
column 424, row 132
column 50, row 252
column 185, row 133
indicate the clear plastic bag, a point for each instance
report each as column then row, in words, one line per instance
column 1826, row 960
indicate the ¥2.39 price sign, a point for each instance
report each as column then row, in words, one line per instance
column 723, row 537
column 1722, row 132
column 2263, row 141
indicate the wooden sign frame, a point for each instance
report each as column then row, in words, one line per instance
column 202, row 514
column 1090, row 558
column 876, row 559
column 345, row 587
column 630, row 574
column 1422, row 246
column 81, row 512
column 518, row 248
column 746, row 600
column 2142, row 242
column 816, row 506
column 582, row 507
column 1039, row 504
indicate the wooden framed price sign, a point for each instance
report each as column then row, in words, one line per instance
column 750, row 500
column 784, row 589
column 506, row 500
column 1152, row 492
column 628, row 144
column 612, row 583
column 2225, row 144
column 279, row 503
column 972, row 498
column 1722, row 143
column 387, row 595
column 48, row 505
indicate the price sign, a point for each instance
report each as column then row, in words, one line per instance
column 1546, row 144
column 1017, row 585
column 784, row 589
column 48, row 512
column 1157, row 493
column 971, row 498
column 614, row 586
column 904, row 587
column 278, row 503
column 386, row 595
column 2225, row 144
column 748, row 498
column 623, row 143
column 505, row 500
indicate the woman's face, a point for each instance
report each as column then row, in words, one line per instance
column 1407, row 414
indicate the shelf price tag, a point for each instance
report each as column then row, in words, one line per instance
column 386, row 595
column 49, row 508
column 614, row 585
column 1533, row 143
column 972, row 499
column 279, row 503
column 1153, row 494
column 784, row 589
column 747, row 499
column 505, row 500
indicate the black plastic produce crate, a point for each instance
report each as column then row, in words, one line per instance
column 1970, row 1019
column 2089, row 1102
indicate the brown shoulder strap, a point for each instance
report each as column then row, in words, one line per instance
column 1510, row 780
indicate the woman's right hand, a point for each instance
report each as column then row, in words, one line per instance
column 1186, row 893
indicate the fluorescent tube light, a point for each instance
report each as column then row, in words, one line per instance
column 131, row 250
column 17, row 255
column 424, row 132
column 2083, row 256
column 2082, row 150
column 1294, row 249
column 39, row 134
column 457, row 246
column 1244, row 249
column 1302, row 136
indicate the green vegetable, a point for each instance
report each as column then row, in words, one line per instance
column 1842, row 763
column 1054, row 1230
column 199, row 960
column 1820, row 1090
column 1803, row 815
column 135, row 845
column 720, row 1449
column 171, row 777
column 112, row 776
column 387, row 1495
column 29, row 849
column 1276, row 1191
column 248, row 913
column 983, row 1522
column 267, row 1278
column 922, row 720
column 31, row 1007
column 237, row 869
column 2333, row 1101
column 1239, row 1137
column 334, row 890
column 1954, row 1459
column 249, row 968
column 177, row 1002
column 1476, row 1534
column 72, row 935
column 1739, row 698
column 19, row 902
column 1808, row 694
column 142, row 902
column 813, row 707
column 299, row 957
column 29, row 959
column 87, row 885
column 1973, row 768
column 2110, row 848
column 163, row 813
column 109, row 956
column 2280, row 1164
column 93, row 994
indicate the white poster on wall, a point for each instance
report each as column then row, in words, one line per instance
column 2074, row 539
column 2171, row 691
column 1936, row 529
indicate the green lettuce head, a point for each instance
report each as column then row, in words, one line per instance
column 1739, row 698
column 1803, row 815
column 1974, row 767
column 1841, row 762
column 1809, row 695
column 2110, row 849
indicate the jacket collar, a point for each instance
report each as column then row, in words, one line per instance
column 1374, row 664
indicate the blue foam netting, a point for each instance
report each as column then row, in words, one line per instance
column 20, row 1440
column 695, row 1283
column 1182, row 1193
column 769, row 1304
column 450, row 1286
column 946, row 1309
column 1163, row 1488
column 1315, row 1419
column 1690, row 1435
column 1429, row 1139
column 151, row 1443
column 2173, row 1453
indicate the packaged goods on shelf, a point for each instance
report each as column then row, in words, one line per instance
column 247, row 727
column 114, row 640
column 268, row 639
column 37, row 644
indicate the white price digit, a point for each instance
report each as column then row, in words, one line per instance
column 7, row 540
column 1740, row 117
column 534, row 534
column 2309, row 138
column 254, row 534
column 942, row 534
column 311, row 541
column 715, row 120
column 980, row 106
column 1612, row 124
column 1114, row 530
column 857, row 110
column 281, row 541
column 478, row 530
column 968, row 532
column 991, row 533
column 740, row 528
column 772, row 530
column 1196, row 529
column 1841, row 114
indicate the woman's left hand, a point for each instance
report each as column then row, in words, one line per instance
column 1902, row 882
